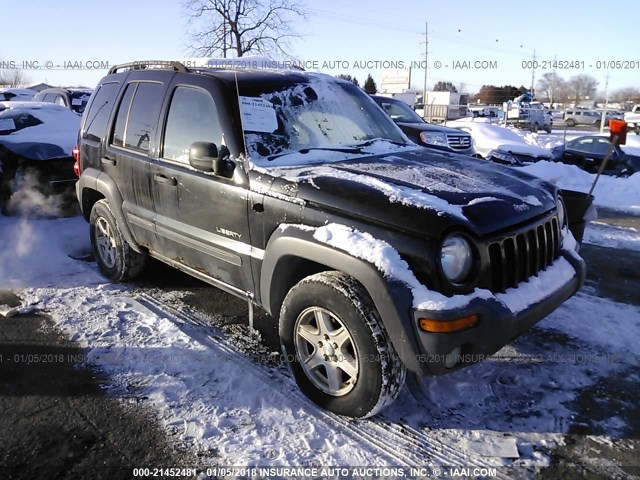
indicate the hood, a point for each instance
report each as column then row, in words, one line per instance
column 419, row 191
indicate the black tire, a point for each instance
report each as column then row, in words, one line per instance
column 534, row 128
column 571, row 122
column 121, row 262
column 548, row 129
column 380, row 372
column 637, row 129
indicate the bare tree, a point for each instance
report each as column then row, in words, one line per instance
column 13, row 78
column 583, row 87
column 626, row 95
column 551, row 87
column 263, row 27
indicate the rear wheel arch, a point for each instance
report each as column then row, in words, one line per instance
column 89, row 199
column 93, row 180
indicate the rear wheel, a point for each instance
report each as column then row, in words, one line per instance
column 571, row 122
column 115, row 257
column 337, row 347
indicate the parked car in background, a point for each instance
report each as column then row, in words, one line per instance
column 36, row 142
column 73, row 98
column 499, row 144
column 11, row 94
column 581, row 117
column 421, row 132
column 633, row 119
column 589, row 151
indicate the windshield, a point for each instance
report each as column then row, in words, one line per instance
column 398, row 111
column 79, row 101
column 318, row 115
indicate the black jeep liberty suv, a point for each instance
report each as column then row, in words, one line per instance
column 296, row 192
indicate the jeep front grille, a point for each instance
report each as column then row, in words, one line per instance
column 459, row 142
column 514, row 259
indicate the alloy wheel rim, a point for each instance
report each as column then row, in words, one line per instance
column 105, row 241
column 326, row 351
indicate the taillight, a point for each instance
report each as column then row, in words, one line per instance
column 76, row 166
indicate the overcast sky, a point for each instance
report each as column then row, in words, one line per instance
column 494, row 32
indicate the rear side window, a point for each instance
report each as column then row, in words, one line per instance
column 121, row 118
column 138, row 115
column 192, row 118
column 98, row 114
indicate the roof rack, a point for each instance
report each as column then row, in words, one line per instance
column 144, row 64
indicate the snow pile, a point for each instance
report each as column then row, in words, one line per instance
column 612, row 192
column 55, row 137
column 605, row 235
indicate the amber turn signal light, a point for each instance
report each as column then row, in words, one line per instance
column 448, row 326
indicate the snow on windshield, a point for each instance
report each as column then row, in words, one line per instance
column 319, row 114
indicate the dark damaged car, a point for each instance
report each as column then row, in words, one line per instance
column 36, row 142
column 294, row 191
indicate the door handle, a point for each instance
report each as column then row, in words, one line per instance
column 163, row 179
column 108, row 161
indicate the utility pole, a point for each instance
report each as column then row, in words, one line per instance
column 552, row 90
column 426, row 53
column 533, row 70
column 606, row 103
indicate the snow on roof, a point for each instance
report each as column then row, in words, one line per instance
column 20, row 93
column 58, row 130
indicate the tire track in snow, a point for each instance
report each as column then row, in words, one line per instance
column 400, row 444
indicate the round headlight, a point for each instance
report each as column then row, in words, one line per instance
column 456, row 258
column 562, row 213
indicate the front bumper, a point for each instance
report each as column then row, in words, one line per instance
column 497, row 326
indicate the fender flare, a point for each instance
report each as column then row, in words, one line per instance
column 94, row 179
column 392, row 299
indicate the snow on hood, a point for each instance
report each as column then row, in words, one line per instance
column 55, row 137
column 488, row 137
column 445, row 184
column 618, row 193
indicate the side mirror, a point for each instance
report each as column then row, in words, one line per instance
column 202, row 156
column 222, row 165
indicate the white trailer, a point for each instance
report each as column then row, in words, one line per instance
column 443, row 106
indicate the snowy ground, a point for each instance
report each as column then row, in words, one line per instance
column 230, row 400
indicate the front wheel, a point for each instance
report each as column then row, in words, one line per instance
column 115, row 257
column 337, row 347
column 571, row 123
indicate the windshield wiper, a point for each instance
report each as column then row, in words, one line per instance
column 368, row 143
column 307, row 150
